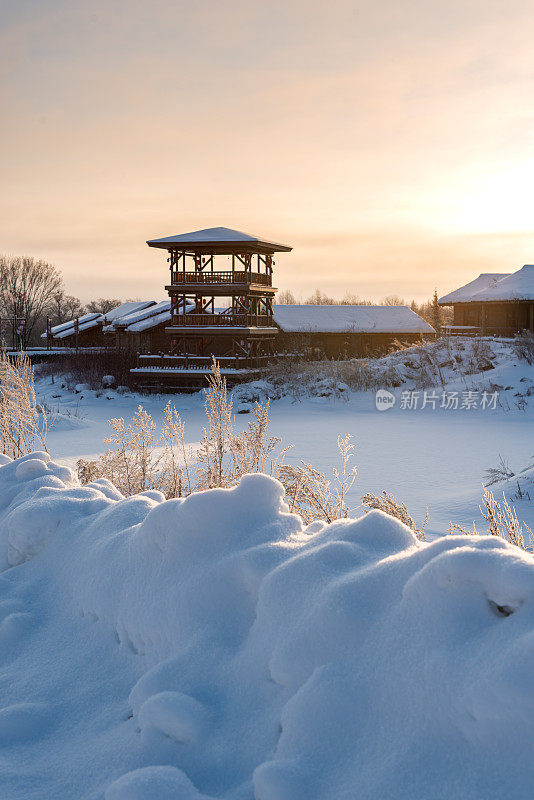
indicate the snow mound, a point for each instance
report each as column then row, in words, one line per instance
column 154, row 783
column 213, row 646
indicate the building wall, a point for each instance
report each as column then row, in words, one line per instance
column 341, row 345
column 499, row 319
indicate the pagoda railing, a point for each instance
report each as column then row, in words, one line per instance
column 221, row 320
column 179, row 277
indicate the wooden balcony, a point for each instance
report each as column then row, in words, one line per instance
column 221, row 321
column 216, row 278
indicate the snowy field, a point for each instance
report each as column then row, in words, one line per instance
column 214, row 647
column 431, row 458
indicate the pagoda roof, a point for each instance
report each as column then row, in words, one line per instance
column 220, row 240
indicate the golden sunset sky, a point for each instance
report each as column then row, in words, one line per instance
column 391, row 143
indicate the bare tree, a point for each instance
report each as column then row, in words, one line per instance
column 393, row 300
column 286, row 298
column 318, row 298
column 355, row 300
column 27, row 288
column 102, row 305
column 66, row 306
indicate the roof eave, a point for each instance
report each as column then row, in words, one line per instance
column 220, row 247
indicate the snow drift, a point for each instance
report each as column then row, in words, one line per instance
column 214, row 647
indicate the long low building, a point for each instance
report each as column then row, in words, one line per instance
column 88, row 330
column 332, row 331
column 337, row 331
column 495, row 304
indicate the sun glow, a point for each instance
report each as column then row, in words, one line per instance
column 499, row 200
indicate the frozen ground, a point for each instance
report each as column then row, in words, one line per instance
column 429, row 457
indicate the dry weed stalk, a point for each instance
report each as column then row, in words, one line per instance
column 250, row 450
column 23, row 425
column 138, row 461
column 389, row 504
column 309, row 492
column 216, row 438
column 502, row 521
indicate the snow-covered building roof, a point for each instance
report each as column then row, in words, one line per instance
column 517, row 286
column 141, row 313
column 465, row 293
column 83, row 326
column 220, row 238
column 93, row 319
column 355, row 319
column 70, row 324
column 151, row 322
column 129, row 307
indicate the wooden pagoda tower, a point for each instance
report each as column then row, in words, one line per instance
column 221, row 290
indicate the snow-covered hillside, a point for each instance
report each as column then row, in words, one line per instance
column 213, row 647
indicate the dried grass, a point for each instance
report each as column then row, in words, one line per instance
column 23, row 424
column 389, row 504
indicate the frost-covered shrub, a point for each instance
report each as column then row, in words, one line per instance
column 92, row 368
column 331, row 378
column 138, row 460
column 523, row 346
column 23, row 424
column 389, row 504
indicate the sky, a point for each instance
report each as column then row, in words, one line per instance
column 391, row 143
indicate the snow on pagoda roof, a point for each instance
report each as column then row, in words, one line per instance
column 465, row 293
column 223, row 239
column 517, row 286
column 357, row 319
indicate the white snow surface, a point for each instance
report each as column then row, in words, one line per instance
column 91, row 320
column 82, row 326
column 213, row 647
column 340, row 319
column 151, row 322
column 219, row 234
column 518, row 286
column 466, row 293
column 144, row 313
column 494, row 287
column 129, row 307
column 70, row 324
